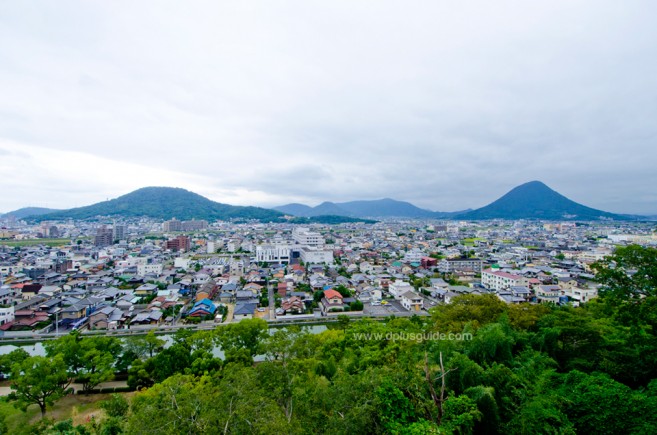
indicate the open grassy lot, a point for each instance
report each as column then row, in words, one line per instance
column 35, row 242
column 80, row 408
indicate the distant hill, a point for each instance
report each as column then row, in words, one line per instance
column 295, row 209
column 535, row 200
column 329, row 220
column 22, row 213
column 323, row 209
column 164, row 203
column 364, row 209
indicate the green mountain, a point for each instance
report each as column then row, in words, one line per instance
column 535, row 200
column 386, row 207
column 22, row 213
column 363, row 209
column 164, row 203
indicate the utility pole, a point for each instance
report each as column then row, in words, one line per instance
column 57, row 322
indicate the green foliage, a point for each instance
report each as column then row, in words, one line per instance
column 247, row 334
column 461, row 414
column 356, row 306
column 475, row 310
column 39, row 380
column 8, row 360
column 116, row 406
column 629, row 281
column 90, row 360
column 394, row 408
column 597, row 404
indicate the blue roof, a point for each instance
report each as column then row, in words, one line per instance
column 203, row 304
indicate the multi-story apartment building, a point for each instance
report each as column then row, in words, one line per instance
column 145, row 269
column 180, row 243
column 103, row 237
column 119, row 232
column 452, row 265
column 172, row 225
column 498, row 280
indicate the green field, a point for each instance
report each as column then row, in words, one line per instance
column 35, row 242
column 471, row 241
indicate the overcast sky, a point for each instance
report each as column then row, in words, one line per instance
column 446, row 104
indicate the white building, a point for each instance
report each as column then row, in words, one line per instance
column 147, row 269
column 398, row 288
column 273, row 254
column 498, row 280
column 181, row 263
column 412, row 301
column 316, row 255
column 581, row 295
column 6, row 314
column 131, row 261
column 414, row 256
column 305, row 237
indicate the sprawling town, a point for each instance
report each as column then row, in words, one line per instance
column 139, row 274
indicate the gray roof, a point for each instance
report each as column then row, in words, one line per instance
column 248, row 308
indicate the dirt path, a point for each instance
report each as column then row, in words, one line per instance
column 5, row 389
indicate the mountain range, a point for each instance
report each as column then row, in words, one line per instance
column 380, row 208
column 533, row 200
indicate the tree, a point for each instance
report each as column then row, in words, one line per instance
column 115, row 406
column 145, row 345
column 477, row 310
column 39, row 380
column 247, row 334
column 343, row 321
column 7, row 361
column 629, row 274
column 629, row 282
column 461, row 414
column 596, row 403
column 394, row 407
column 89, row 360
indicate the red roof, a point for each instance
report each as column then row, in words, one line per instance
column 328, row 294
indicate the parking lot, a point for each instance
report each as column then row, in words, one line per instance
column 383, row 310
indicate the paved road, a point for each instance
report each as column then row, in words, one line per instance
column 272, row 302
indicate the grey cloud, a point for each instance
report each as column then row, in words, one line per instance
column 446, row 105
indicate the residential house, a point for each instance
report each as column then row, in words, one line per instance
column 293, row 305
column 145, row 290
column 30, row 290
column 152, row 317
column 412, row 301
column 398, row 288
column 244, row 311
column 202, row 308
column 548, row 293
column 332, row 301
column 107, row 318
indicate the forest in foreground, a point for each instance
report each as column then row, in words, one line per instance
column 475, row 366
